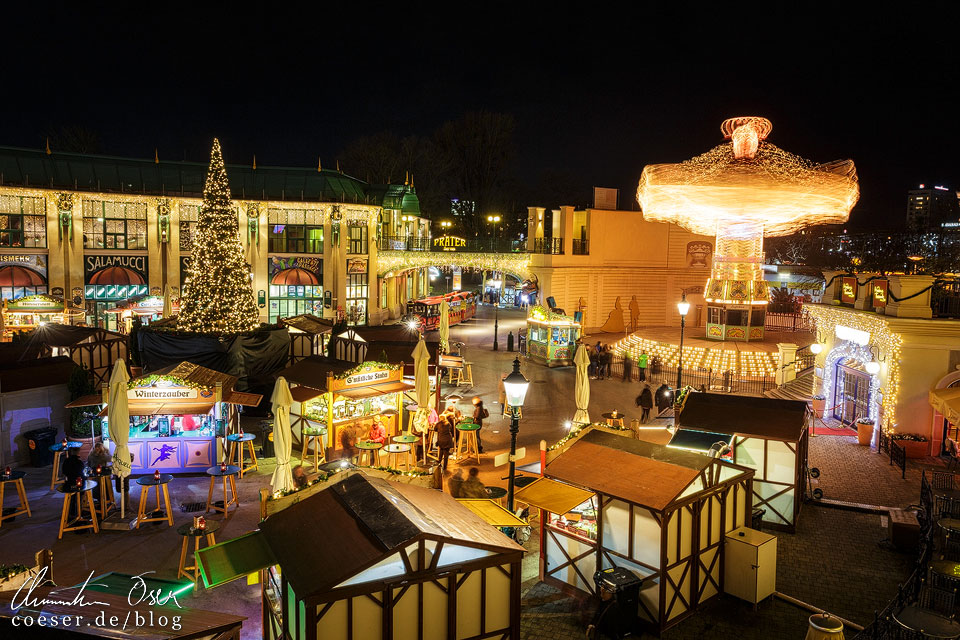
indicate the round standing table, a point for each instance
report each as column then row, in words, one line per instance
column 367, row 448
column 313, row 437
column 58, row 450
column 394, row 450
column 930, row 624
column 467, row 442
column 160, row 484
column 227, row 476
column 614, row 418
column 78, row 523
column 187, row 531
column 239, row 442
column 105, row 494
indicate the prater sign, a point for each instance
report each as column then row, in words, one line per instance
column 449, row 243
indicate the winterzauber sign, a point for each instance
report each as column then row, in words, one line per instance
column 162, row 394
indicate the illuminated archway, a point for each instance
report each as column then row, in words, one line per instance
column 846, row 350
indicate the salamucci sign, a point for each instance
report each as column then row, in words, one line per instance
column 174, row 393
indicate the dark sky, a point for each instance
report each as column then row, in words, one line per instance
column 595, row 94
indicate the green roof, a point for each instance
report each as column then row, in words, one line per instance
column 82, row 172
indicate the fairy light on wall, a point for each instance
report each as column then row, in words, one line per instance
column 744, row 363
column 397, row 261
column 887, row 341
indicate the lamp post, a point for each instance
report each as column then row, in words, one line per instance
column 683, row 307
column 515, row 390
column 495, row 220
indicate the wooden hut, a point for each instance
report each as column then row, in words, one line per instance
column 367, row 559
column 659, row 512
column 768, row 435
column 308, row 336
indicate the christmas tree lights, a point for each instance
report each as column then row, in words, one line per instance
column 217, row 295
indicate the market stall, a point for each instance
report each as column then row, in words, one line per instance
column 29, row 312
column 309, row 335
column 345, row 400
column 148, row 309
column 176, row 416
column 768, row 435
column 551, row 337
column 612, row 501
column 386, row 560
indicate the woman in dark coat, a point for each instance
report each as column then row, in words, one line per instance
column 445, row 440
column 645, row 401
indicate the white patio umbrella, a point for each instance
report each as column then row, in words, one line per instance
column 582, row 389
column 421, row 380
column 445, row 326
column 118, row 421
column 282, row 477
column 167, row 302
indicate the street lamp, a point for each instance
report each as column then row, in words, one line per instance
column 495, row 220
column 683, row 307
column 515, row 390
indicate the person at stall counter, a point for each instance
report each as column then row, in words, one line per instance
column 72, row 468
column 445, row 439
column 472, row 487
column 378, row 432
column 455, row 483
column 348, row 442
column 479, row 413
column 99, row 456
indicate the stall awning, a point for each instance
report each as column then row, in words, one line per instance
column 245, row 399
column 375, row 390
column 165, row 409
column 302, row 394
column 699, row 441
column 86, row 401
column 491, row 512
column 947, row 402
column 235, row 558
column 552, row 496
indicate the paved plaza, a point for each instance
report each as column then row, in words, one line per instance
column 838, row 560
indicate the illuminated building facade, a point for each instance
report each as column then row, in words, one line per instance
column 928, row 208
column 98, row 231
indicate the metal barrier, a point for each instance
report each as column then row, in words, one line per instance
column 788, row 322
column 696, row 377
column 898, row 457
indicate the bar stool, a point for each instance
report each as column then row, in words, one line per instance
column 160, row 483
column 314, row 438
column 105, row 491
column 242, row 439
column 467, row 442
column 58, row 450
column 227, row 475
column 466, row 375
column 16, row 477
column 394, row 450
column 369, row 450
column 188, row 531
column 77, row 492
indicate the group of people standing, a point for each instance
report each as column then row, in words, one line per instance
column 601, row 358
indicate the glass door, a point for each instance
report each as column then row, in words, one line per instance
column 851, row 397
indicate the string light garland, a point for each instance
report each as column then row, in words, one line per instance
column 217, row 296
column 743, row 363
column 398, row 261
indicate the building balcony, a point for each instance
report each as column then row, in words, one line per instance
column 581, row 247
column 548, row 246
column 404, row 243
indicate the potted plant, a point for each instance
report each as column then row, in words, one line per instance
column 914, row 444
column 865, row 431
column 819, row 403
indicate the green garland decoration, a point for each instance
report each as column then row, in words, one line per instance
column 575, row 432
column 7, row 570
column 147, row 381
column 323, row 477
column 365, row 367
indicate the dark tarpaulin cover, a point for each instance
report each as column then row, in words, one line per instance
column 254, row 359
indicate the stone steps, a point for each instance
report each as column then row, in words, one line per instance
column 797, row 389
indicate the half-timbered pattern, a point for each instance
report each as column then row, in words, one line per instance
column 367, row 559
column 659, row 512
column 768, row 435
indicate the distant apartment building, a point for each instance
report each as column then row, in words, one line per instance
column 929, row 208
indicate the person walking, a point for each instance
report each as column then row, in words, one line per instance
column 645, row 402
column 445, row 440
column 594, row 369
column 479, row 413
column 642, row 366
column 627, row 366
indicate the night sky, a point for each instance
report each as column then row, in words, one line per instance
column 598, row 95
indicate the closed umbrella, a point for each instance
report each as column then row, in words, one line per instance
column 445, row 326
column 582, row 390
column 167, row 302
column 118, row 421
column 282, row 477
column 421, row 380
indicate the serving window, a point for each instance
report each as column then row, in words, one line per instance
column 580, row 521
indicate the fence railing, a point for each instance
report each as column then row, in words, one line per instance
column 404, row 243
column 776, row 321
column 696, row 377
column 581, row 247
column 550, row 246
column 804, row 360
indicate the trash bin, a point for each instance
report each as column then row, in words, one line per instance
column 39, row 442
column 266, row 449
column 619, row 592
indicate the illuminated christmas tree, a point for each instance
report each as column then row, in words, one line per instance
column 217, row 296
